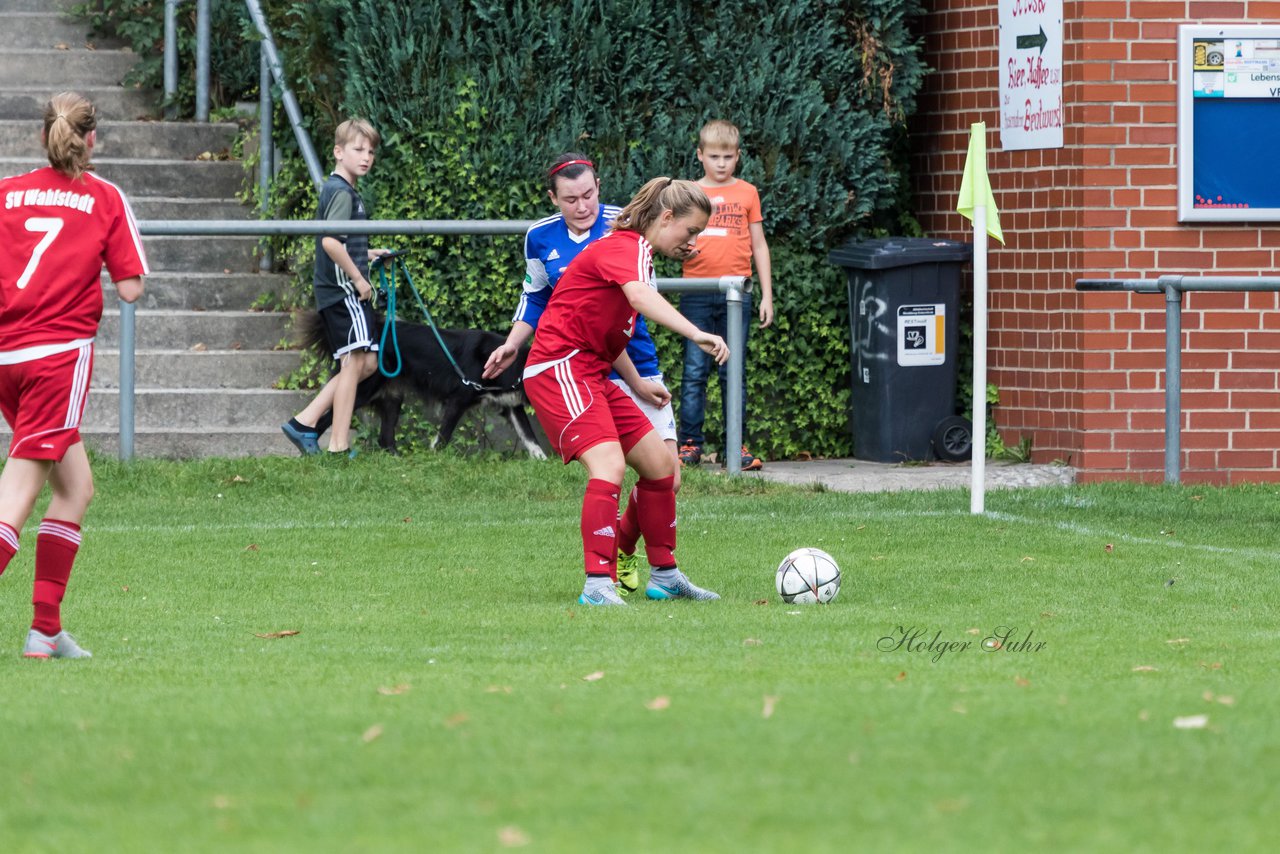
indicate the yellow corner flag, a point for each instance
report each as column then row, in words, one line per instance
column 975, row 188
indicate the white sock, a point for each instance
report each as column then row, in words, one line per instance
column 663, row 576
column 597, row 583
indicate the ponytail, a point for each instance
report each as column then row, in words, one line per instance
column 68, row 119
column 658, row 195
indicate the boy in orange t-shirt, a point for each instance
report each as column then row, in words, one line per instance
column 733, row 239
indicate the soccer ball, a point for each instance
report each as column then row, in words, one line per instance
column 808, row 576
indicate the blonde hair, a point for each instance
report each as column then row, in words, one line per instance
column 718, row 132
column 658, row 195
column 68, row 119
column 352, row 129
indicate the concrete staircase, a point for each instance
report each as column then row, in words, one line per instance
column 205, row 363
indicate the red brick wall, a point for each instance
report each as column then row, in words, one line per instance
column 1083, row 374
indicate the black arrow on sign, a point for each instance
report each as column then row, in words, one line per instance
column 1033, row 41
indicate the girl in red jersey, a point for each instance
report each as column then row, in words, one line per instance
column 59, row 226
column 583, row 335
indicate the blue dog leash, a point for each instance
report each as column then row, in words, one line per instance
column 389, row 325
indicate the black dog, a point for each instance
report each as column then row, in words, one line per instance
column 426, row 371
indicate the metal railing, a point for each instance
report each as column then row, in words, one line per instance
column 271, row 69
column 1173, row 287
column 733, row 287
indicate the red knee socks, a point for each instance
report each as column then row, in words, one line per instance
column 599, row 528
column 8, row 545
column 56, row 546
column 655, row 504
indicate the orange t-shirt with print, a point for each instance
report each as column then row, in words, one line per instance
column 724, row 249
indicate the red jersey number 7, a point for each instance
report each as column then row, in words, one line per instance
column 49, row 226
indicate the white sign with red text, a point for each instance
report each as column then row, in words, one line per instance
column 1031, row 111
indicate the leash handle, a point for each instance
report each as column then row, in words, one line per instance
column 389, row 325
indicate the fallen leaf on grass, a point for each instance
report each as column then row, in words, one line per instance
column 1109, row 548
column 762, row 601
column 407, row 519
column 498, row 689
column 1227, row 700
column 239, row 479
column 252, row 547
column 1144, row 668
column 593, row 677
column 1028, row 559
column 657, row 704
column 751, row 642
column 513, row 837
column 973, row 631
column 373, row 733
column 1191, row 722
column 282, row 634
column 1178, row 641
column 456, row 720
column 1217, row 665
column 900, row 676
column 393, row 690
column 1021, row 682
column 770, row 703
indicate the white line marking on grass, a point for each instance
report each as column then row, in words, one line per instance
column 1076, row 528
column 689, row 518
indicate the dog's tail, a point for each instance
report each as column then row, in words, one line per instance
column 308, row 331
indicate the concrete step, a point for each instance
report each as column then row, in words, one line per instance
column 47, row 29
column 189, row 254
column 67, row 68
column 113, row 102
column 220, row 179
column 244, row 369
column 207, row 330
column 183, row 409
column 235, row 442
column 161, row 207
column 36, row 5
column 129, row 140
column 204, row 291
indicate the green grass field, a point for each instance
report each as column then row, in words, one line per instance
column 445, row 693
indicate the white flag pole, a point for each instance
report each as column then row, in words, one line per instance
column 977, row 489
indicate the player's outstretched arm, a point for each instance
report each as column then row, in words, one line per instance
column 507, row 351
column 655, row 307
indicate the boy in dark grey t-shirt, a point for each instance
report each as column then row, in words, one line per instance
column 342, row 293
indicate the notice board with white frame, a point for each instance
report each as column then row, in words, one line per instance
column 1228, row 122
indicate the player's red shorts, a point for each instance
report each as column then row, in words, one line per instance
column 579, row 408
column 43, row 401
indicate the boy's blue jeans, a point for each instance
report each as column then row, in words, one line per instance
column 708, row 313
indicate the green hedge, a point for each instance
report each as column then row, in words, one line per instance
column 474, row 98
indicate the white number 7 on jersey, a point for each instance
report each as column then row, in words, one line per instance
column 50, row 226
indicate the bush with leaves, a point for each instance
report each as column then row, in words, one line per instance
column 474, row 98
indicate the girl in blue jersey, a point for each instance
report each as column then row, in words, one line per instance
column 549, row 245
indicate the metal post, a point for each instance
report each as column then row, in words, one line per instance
column 202, row 60
column 170, row 59
column 290, row 103
column 264, row 149
column 127, row 348
column 733, row 394
column 1172, row 378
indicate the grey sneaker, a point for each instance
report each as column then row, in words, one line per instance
column 606, row 596
column 680, row 588
column 61, row 645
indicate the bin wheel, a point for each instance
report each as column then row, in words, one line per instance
column 953, row 439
